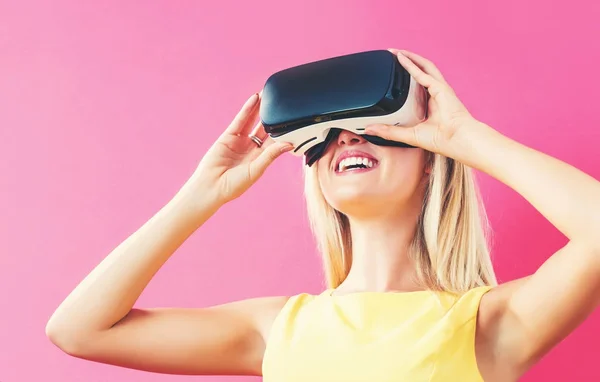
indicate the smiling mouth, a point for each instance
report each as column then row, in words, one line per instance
column 356, row 165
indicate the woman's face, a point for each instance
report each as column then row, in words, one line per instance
column 358, row 177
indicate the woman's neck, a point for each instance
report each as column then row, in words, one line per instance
column 381, row 254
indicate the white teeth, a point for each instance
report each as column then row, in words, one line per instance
column 352, row 161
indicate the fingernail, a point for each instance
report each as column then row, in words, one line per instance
column 286, row 148
column 253, row 98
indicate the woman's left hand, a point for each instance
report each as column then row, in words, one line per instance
column 448, row 119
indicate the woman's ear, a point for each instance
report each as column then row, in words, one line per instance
column 429, row 162
column 428, row 167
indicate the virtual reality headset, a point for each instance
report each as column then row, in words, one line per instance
column 309, row 105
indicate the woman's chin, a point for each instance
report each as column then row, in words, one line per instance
column 352, row 202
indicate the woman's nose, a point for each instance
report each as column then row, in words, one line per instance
column 349, row 138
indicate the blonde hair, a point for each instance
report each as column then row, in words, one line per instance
column 450, row 247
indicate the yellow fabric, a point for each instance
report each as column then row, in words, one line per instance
column 375, row 336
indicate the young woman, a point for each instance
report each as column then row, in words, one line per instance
column 412, row 294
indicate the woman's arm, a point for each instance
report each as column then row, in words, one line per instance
column 566, row 196
column 530, row 316
column 97, row 320
column 109, row 292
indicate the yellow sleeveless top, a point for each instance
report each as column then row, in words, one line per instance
column 375, row 336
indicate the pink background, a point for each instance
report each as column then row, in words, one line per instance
column 106, row 108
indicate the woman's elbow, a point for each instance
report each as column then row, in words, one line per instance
column 63, row 336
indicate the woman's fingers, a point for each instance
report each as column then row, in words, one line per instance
column 434, row 86
column 394, row 133
column 267, row 156
column 424, row 64
column 267, row 141
column 244, row 117
column 259, row 132
column 422, row 78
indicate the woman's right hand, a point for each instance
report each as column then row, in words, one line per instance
column 235, row 162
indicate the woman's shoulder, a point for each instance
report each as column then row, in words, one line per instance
column 269, row 308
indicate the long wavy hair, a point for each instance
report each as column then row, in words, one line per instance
column 450, row 247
